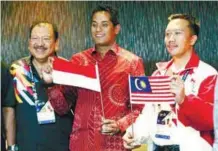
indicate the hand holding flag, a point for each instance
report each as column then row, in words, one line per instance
column 109, row 127
column 177, row 87
column 47, row 71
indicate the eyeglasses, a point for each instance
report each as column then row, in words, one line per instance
column 45, row 39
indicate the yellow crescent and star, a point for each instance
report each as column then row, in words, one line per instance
column 140, row 85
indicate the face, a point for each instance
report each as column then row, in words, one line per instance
column 178, row 38
column 102, row 29
column 42, row 43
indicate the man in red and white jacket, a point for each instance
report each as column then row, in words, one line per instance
column 187, row 126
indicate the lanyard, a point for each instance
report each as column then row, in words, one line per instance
column 184, row 77
column 35, row 95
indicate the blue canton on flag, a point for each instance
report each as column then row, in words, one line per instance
column 140, row 84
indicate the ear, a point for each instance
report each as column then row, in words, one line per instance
column 117, row 29
column 56, row 45
column 194, row 38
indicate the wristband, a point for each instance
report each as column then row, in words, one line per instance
column 12, row 148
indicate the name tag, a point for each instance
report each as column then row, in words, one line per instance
column 162, row 136
column 45, row 113
column 164, row 122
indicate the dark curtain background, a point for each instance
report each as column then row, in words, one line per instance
column 143, row 24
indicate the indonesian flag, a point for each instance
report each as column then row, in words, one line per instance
column 68, row 73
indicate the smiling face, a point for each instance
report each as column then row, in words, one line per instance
column 179, row 39
column 42, row 41
column 102, row 29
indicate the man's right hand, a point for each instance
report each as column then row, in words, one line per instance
column 129, row 142
column 47, row 71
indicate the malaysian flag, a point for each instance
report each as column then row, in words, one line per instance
column 150, row 89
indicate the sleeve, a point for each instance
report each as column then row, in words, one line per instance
column 10, row 100
column 8, row 95
column 137, row 69
column 199, row 109
column 62, row 98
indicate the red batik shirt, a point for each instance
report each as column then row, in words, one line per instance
column 114, row 69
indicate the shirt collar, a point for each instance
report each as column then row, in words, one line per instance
column 114, row 49
column 192, row 63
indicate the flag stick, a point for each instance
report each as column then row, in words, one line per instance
column 102, row 105
column 177, row 119
column 131, row 106
column 176, row 108
column 98, row 76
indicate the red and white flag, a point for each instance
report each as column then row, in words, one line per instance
column 150, row 89
column 68, row 73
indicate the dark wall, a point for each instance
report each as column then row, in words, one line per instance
column 143, row 24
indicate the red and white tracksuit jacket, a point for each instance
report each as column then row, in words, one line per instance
column 194, row 130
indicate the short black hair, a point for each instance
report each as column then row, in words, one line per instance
column 55, row 30
column 111, row 10
column 194, row 24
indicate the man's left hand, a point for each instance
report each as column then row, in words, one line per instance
column 177, row 87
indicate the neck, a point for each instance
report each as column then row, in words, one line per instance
column 103, row 49
column 39, row 63
column 181, row 61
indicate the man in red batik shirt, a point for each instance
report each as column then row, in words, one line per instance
column 99, row 124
